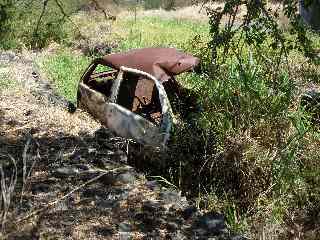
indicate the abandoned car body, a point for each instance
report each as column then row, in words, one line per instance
column 129, row 95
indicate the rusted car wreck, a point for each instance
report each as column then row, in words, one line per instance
column 128, row 92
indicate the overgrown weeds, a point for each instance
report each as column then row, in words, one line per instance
column 35, row 24
column 251, row 150
column 65, row 70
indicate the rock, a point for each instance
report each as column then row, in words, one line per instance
column 189, row 212
column 65, row 172
column 172, row 197
column 104, row 231
column 126, row 178
column 61, row 206
column 169, row 196
column 40, row 188
column 152, row 206
column 171, row 226
column 106, row 204
column 118, row 194
column 125, row 227
column 212, row 222
column 152, row 185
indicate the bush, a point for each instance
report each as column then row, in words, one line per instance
column 35, row 24
column 152, row 4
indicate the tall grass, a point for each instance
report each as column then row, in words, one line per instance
column 252, row 152
column 156, row 32
column 65, row 69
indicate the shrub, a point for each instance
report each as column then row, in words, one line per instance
column 35, row 24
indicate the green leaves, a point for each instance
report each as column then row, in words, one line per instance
column 228, row 28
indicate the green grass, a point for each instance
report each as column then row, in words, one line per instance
column 5, row 81
column 65, row 69
column 157, row 32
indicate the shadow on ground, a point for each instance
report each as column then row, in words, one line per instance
column 121, row 203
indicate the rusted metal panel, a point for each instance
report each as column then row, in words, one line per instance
column 122, row 121
column 131, row 99
column 162, row 63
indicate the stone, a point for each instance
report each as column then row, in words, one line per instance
column 118, row 194
column 40, row 188
column 152, row 185
column 171, row 226
column 152, row 206
column 125, row 227
column 106, row 203
column 126, row 178
column 65, row 172
column 174, row 198
column 213, row 222
column 189, row 212
column 169, row 196
column 105, row 231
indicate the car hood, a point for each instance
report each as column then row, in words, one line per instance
column 162, row 63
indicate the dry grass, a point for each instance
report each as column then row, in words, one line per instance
column 197, row 13
column 22, row 111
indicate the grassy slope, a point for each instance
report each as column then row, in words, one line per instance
column 269, row 172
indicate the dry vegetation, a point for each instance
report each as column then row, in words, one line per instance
column 252, row 154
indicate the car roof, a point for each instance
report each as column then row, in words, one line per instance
column 163, row 63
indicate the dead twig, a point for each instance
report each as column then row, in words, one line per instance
column 27, row 173
column 24, row 167
column 6, row 192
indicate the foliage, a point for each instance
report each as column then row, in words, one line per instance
column 6, row 82
column 156, row 4
column 34, row 23
column 252, row 150
column 258, row 28
column 250, row 100
column 6, row 13
column 152, row 4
